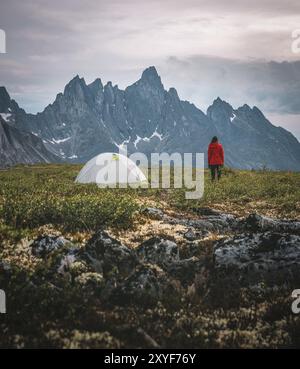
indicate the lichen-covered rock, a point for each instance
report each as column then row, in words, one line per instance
column 223, row 222
column 265, row 254
column 158, row 251
column 57, row 266
column 67, row 261
column 44, row 245
column 57, row 256
column 189, row 249
column 211, row 223
column 144, row 287
column 108, row 256
column 154, row 213
column 258, row 223
column 207, row 212
column 185, row 270
column 214, row 223
column 192, row 234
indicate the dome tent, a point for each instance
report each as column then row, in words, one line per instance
column 110, row 169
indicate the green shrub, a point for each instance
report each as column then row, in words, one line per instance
column 29, row 199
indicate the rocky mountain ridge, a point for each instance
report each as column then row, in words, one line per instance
column 87, row 119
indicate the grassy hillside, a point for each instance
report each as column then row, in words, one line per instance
column 45, row 200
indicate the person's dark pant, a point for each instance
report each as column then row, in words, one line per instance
column 215, row 171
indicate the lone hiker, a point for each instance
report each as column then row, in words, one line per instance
column 215, row 158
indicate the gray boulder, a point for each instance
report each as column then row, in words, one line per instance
column 260, row 255
column 258, row 223
column 185, row 270
column 44, row 245
column 66, row 261
column 108, row 256
column 158, row 251
column 154, row 213
column 145, row 287
column 192, row 234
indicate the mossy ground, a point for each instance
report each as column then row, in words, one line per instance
column 212, row 312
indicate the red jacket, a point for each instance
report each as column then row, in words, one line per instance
column 215, row 154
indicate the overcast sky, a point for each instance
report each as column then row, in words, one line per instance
column 238, row 50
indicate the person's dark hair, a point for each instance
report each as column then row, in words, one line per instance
column 214, row 139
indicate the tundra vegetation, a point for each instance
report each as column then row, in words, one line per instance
column 63, row 288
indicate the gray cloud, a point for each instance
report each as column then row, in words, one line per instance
column 273, row 86
column 50, row 42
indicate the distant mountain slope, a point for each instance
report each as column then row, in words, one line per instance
column 21, row 147
column 251, row 141
column 87, row 119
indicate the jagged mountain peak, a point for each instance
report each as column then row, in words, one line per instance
column 150, row 71
column 5, row 100
column 96, row 85
column 220, row 110
column 218, row 102
column 108, row 85
column 258, row 112
column 110, row 88
column 151, row 77
column 254, row 117
column 173, row 92
column 3, row 92
column 77, row 79
column 245, row 108
column 75, row 83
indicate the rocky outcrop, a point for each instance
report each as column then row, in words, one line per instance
column 208, row 221
column 254, row 246
column 158, row 251
column 58, row 253
column 185, row 270
column 260, row 255
column 258, row 223
column 222, row 222
column 145, row 287
column 154, row 213
column 250, row 250
column 108, row 256
column 45, row 245
column 119, row 274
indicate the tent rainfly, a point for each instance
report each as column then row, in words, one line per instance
column 109, row 169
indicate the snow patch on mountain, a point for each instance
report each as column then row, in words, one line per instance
column 6, row 116
column 138, row 139
column 57, row 142
column 232, row 117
